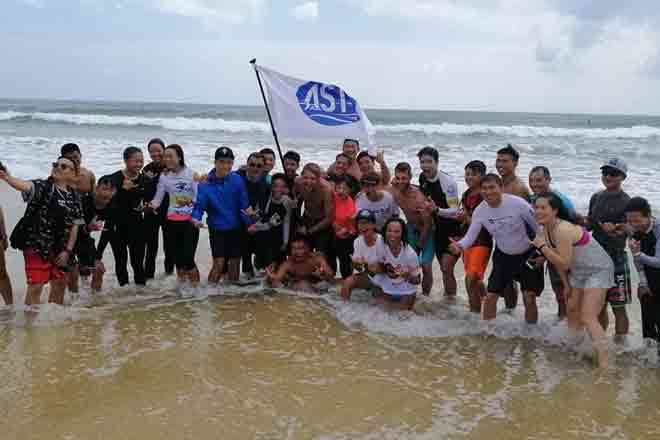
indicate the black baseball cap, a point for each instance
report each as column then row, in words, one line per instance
column 365, row 214
column 224, row 153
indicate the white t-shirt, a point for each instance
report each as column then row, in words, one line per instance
column 382, row 209
column 374, row 254
column 407, row 259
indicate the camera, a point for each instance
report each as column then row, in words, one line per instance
column 531, row 263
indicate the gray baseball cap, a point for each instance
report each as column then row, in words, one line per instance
column 617, row 164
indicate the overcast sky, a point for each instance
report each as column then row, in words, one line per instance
column 599, row 56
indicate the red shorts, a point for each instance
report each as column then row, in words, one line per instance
column 39, row 270
column 475, row 261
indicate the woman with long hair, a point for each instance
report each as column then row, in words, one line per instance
column 181, row 237
column 582, row 263
column 398, row 275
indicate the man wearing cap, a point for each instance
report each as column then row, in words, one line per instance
column 607, row 221
column 380, row 203
column 224, row 198
column 368, row 253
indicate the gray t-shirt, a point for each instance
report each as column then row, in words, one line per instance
column 606, row 207
column 382, row 209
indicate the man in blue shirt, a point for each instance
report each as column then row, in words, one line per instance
column 539, row 183
column 224, row 198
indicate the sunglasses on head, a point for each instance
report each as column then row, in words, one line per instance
column 611, row 172
column 62, row 166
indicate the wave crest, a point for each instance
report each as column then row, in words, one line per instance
column 182, row 123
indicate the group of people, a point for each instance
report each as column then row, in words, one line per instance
column 378, row 231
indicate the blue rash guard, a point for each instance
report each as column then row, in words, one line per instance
column 223, row 200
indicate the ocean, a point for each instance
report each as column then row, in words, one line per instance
column 572, row 146
column 235, row 363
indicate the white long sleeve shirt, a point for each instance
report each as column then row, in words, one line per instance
column 511, row 224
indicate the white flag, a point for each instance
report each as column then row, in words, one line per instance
column 311, row 109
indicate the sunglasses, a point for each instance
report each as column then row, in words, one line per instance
column 611, row 172
column 255, row 165
column 61, row 166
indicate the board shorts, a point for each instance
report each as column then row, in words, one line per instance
column 509, row 268
column 39, row 270
column 475, row 261
column 226, row 244
column 621, row 293
column 427, row 253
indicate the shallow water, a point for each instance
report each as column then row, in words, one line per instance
column 250, row 365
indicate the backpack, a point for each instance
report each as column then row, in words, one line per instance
column 18, row 237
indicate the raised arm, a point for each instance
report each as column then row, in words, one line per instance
column 385, row 174
column 16, row 183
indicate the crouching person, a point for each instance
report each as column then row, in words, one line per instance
column 303, row 270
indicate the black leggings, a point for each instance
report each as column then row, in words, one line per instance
column 152, row 226
column 181, row 240
column 343, row 248
column 129, row 238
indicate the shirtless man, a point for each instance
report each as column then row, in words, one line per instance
column 506, row 164
column 367, row 165
column 316, row 221
column 420, row 220
column 86, row 180
column 302, row 270
column 85, row 184
column 350, row 148
column 342, row 163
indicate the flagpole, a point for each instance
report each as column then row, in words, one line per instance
column 270, row 118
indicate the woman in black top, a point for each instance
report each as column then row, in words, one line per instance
column 126, row 217
column 155, row 220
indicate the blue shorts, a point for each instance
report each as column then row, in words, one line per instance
column 427, row 253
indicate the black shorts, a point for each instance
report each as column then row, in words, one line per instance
column 226, row 244
column 85, row 251
column 444, row 231
column 509, row 268
column 620, row 294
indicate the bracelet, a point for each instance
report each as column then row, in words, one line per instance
column 540, row 248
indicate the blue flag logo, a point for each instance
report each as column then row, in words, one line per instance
column 327, row 104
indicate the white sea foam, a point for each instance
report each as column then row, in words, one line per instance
column 238, row 126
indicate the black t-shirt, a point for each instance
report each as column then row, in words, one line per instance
column 606, row 207
column 127, row 205
column 440, row 190
column 258, row 191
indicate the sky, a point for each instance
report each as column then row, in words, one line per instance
column 574, row 56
